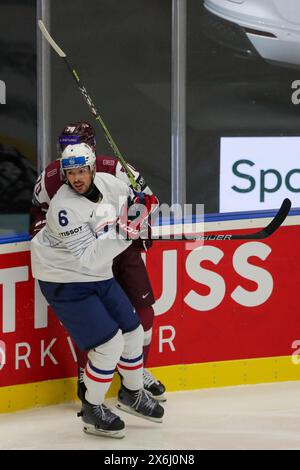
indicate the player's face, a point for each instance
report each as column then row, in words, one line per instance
column 80, row 179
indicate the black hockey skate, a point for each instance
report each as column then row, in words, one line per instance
column 141, row 404
column 101, row 421
column 153, row 386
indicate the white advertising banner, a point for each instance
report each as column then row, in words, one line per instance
column 257, row 173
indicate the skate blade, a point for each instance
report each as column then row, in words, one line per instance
column 131, row 411
column 161, row 397
column 90, row 429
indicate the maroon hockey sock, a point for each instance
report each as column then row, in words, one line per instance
column 146, row 350
column 81, row 358
column 146, row 315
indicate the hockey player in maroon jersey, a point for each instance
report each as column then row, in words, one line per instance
column 128, row 267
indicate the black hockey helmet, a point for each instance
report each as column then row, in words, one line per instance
column 77, row 133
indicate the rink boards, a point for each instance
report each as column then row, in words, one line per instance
column 227, row 313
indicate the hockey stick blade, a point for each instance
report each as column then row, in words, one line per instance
column 259, row 235
column 271, row 227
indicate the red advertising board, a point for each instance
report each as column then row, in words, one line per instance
column 226, row 300
column 36, row 346
column 232, row 300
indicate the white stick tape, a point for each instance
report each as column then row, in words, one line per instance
column 51, row 41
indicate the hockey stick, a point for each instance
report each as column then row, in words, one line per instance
column 89, row 102
column 259, row 235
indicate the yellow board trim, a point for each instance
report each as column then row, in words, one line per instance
column 177, row 377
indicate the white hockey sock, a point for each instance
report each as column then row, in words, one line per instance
column 130, row 364
column 100, row 368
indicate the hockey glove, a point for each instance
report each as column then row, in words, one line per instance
column 134, row 217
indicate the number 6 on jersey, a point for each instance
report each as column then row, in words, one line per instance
column 63, row 221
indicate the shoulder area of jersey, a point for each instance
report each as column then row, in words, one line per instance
column 66, row 207
column 53, row 169
column 106, row 160
column 62, row 196
column 106, row 177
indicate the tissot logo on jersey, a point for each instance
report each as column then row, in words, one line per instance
column 73, row 231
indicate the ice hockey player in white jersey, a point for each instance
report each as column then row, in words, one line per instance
column 72, row 259
column 128, row 267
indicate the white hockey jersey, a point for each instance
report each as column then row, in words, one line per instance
column 79, row 240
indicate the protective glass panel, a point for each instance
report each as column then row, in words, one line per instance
column 241, row 84
column 122, row 53
column 18, row 109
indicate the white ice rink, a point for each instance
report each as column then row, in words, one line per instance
column 265, row 416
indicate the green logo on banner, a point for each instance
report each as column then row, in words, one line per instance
column 270, row 180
